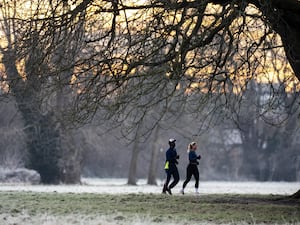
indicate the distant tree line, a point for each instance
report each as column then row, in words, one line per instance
column 252, row 149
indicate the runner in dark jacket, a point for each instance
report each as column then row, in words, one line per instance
column 192, row 168
column 171, row 168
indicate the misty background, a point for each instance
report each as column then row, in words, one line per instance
column 252, row 149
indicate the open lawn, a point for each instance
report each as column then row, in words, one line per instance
column 85, row 208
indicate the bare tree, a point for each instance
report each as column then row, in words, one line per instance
column 267, row 122
column 38, row 54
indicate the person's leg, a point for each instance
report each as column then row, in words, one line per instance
column 176, row 178
column 196, row 175
column 188, row 176
column 167, row 181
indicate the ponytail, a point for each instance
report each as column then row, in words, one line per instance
column 189, row 148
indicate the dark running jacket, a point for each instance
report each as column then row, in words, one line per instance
column 193, row 158
column 171, row 158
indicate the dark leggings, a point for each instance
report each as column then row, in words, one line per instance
column 190, row 171
column 172, row 172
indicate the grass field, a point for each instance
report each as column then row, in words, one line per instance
column 70, row 208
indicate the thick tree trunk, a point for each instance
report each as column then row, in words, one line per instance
column 133, row 163
column 134, row 156
column 49, row 146
column 43, row 148
column 153, row 161
column 71, row 158
column 284, row 18
column 296, row 195
column 288, row 29
column 286, row 23
column 41, row 134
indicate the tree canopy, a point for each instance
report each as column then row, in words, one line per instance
column 178, row 47
column 117, row 52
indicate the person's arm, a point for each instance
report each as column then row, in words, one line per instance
column 176, row 157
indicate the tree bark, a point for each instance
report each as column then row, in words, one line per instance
column 153, row 161
column 71, row 157
column 134, row 155
column 284, row 17
column 133, row 163
column 70, row 162
column 296, row 195
column 285, row 20
column 48, row 144
column 43, row 147
column 41, row 133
